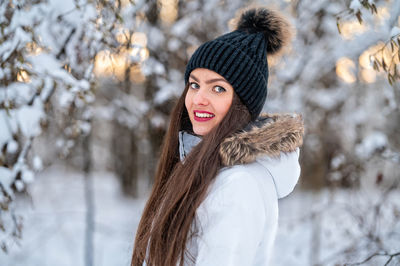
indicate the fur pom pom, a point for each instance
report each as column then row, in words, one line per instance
column 276, row 29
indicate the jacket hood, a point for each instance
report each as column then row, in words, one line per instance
column 273, row 141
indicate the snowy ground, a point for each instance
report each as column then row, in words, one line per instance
column 315, row 228
column 53, row 231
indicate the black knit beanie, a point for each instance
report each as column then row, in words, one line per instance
column 241, row 56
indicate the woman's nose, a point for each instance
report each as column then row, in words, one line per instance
column 200, row 98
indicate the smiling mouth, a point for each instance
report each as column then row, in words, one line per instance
column 203, row 116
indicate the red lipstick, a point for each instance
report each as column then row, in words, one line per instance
column 202, row 119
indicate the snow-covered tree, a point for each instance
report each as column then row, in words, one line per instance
column 47, row 50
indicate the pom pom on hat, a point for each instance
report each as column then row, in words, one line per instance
column 273, row 25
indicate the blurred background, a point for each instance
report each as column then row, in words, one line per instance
column 86, row 88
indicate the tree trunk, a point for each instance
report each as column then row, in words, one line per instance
column 125, row 158
column 89, row 201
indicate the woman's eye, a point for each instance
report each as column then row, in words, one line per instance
column 219, row 89
column 194, row 85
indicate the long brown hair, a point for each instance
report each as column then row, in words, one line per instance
column 180, row 188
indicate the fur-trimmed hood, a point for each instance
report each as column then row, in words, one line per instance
column 270, row 135
column 270, row 145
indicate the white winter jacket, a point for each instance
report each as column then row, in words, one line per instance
column 237, row 222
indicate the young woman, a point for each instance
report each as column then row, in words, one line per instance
column 223, row 167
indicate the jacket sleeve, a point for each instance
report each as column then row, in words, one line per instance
column 231, row 222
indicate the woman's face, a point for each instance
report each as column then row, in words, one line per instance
column 208, row 99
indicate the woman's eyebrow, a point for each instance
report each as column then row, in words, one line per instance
column 193, row 77
column 210, row 80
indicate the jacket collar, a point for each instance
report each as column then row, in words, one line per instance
column 186, row 142
column 269, row 135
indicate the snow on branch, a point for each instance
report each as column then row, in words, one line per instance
column 387, row 57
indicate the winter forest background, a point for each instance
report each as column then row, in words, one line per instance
column 86, row 87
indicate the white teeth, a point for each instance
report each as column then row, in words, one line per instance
column 203, row 115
